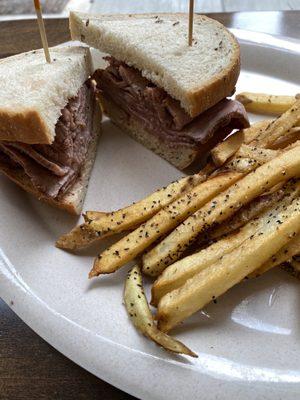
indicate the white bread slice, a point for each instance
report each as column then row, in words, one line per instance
column 33, row 92
column 73, row 200
column 156, row 44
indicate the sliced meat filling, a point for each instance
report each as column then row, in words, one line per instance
column 54, row 168
column 160, row 113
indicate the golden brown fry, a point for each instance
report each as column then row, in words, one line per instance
column 224, row 150
column 222, row 207
column 79, row 238
column 279, row 126
column 261, row 103
column 179, row 272
column 161, row 223
column 249, row 212
column 255, row 130
column 285, row 254
column 290, row 137
column 215, row 280
column 138, row 311
column 137, row 213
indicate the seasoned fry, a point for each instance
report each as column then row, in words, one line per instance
column 224, row 150
column 286, row 253
column 78, row 238
column 179, row 272
column 279, row 126
column 99, row 225
column 248, row 158
column 215, row 280
column 291, row 136
column 161, row 223
column 258, row 154
column 261, row 103
column 249, row 212
column 135, row 214
column 138, row 311
column 255, row 130
column 222, row 207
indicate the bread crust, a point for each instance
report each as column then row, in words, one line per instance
column 23, row 126
column 72, row 201
column 197, row 101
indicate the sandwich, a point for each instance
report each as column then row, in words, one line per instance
column 49, row 124
column 167, row 95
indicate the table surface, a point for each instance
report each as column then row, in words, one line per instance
column 29, row 367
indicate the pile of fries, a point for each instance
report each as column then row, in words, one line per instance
column 201, row 235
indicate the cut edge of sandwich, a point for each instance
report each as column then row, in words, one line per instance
column 88, row 29
column 180, row 156
column 72, row 200
column 34, row 122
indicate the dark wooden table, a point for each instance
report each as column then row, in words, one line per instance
column 29, row 367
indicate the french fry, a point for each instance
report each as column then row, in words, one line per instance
column 137, row 213
column 291, row 136
column 222, row 207
column 247, row 213
column 215, row 280
column 224, row 150
column 279, row 126
column 248, row 158
column 251, row 133
column 99, row 225
column 78, row 238
column 161, row 223
column 139, row 312
column 179, row 272
column 260, row 155
column 261, row 103
column 286, row 253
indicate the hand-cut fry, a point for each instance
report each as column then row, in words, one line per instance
column 161, row 223
column 248, row 158
column 291, row 136
column 231, row 269
column 247, row 213
column 140, row 314
column 224, row 150
column 251, row 133
column 261, row 103
column 93, row 215
column 285, row 254
column 259, row 154
column 135, row 214
column 179, row 272
column 222, row 207
column 99, row 225
column 79, row 238
column 279, row 126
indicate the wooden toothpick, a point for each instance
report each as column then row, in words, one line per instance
column 191, row 22
column 40, row 20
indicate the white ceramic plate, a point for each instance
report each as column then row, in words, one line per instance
column 248, row 343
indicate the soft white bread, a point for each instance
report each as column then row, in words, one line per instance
column 73, row 200
column 33, row 92
column 198, row 76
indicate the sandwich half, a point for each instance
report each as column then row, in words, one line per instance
column 169, row 96
column 49, row 124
